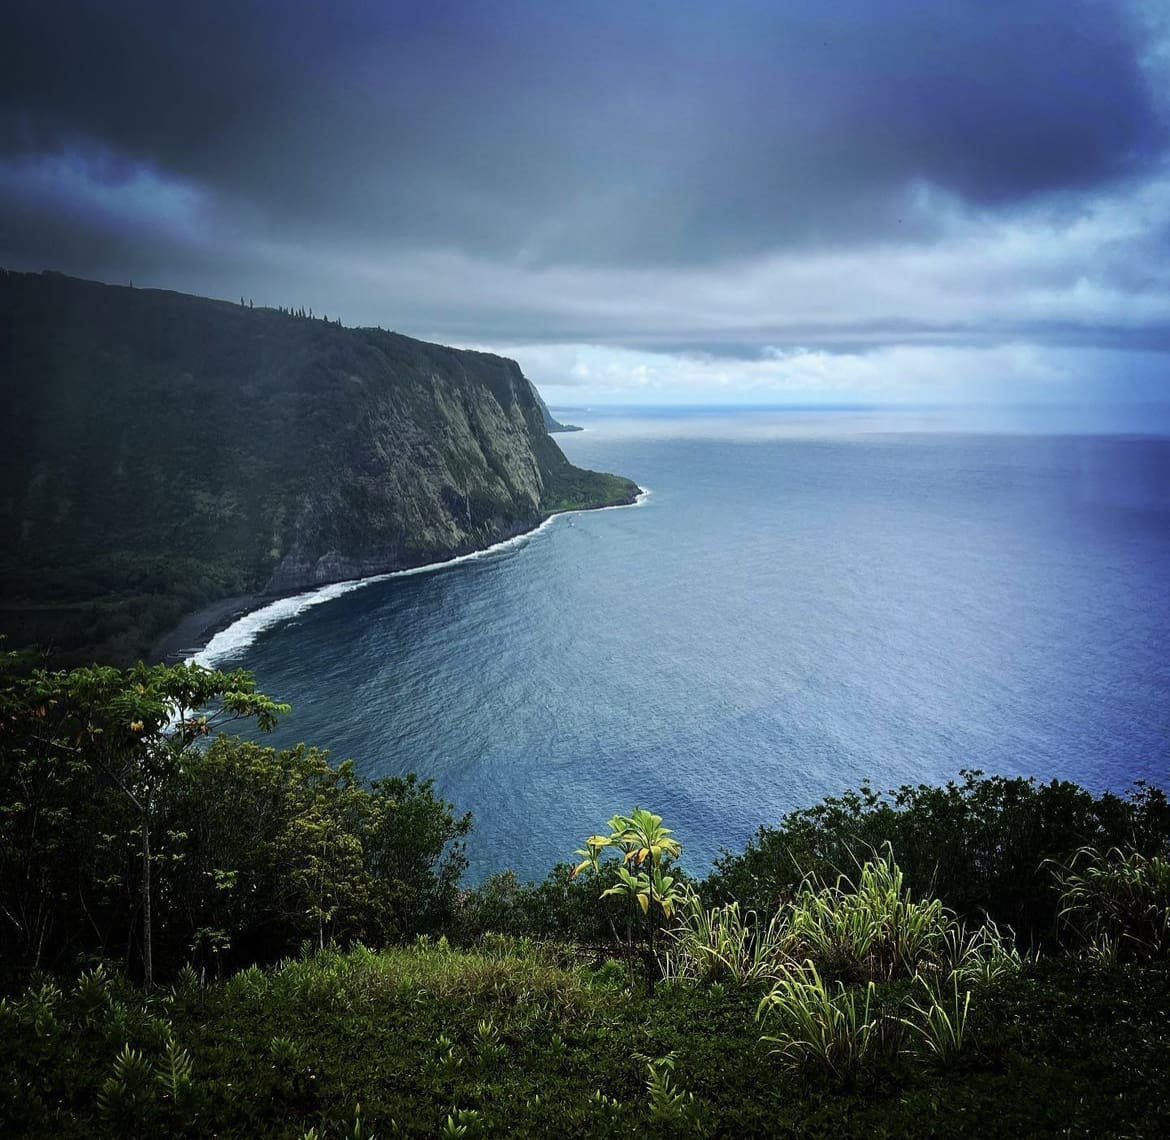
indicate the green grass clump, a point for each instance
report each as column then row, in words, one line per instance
column 1117, row 903
column 833, row 947
column 717, row 944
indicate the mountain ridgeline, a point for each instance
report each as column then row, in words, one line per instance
column 160, row 451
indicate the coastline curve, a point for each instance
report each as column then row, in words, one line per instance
column 248, row 617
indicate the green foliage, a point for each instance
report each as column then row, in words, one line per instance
column 126, row 1091
column 822, row 1023
column 710, row 944
column 463, row 1122
column 981, row 956
column 1117, row 904
column 356, row 1129
column 312, row 852
column 173, row 1074
column 873, row 929
column 647, row 847
column 90, row 761
column 563, row 907
column 883, row 1012
column 489, row 1051
column 862, row 934
column 671, row 1107
column 108, row 775
column 980, row 846
column 940, row 1017
column 569, row 488
column 847, row 1031
column 1057, row 1047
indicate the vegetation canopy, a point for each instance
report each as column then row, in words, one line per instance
column 205, row 936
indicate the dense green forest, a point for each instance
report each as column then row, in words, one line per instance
column 202, row 935
column 160, row 451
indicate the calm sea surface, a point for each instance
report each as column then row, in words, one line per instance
column 803, row 601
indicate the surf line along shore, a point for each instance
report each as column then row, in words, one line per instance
column 221, row 628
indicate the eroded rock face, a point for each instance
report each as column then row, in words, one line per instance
column 403, row 496
column 300, row 569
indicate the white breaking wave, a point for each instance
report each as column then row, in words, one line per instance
column 242, row 632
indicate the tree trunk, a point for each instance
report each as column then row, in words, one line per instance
column 652, row 961
column 321, row 899
column 147, row 931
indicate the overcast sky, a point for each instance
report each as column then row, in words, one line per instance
column 856, row 201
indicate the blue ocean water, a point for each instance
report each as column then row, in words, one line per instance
column 803, row 601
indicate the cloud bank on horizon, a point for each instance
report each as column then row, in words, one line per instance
column 875, row 200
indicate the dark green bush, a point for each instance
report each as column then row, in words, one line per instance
column 980, row 845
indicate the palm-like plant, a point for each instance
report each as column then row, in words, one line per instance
column 645, row 846
column 642, row 837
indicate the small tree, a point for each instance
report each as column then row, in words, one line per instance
column 646, row 847
column 135, row 727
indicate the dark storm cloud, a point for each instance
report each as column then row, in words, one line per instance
column 589, row 132
column 604, row 172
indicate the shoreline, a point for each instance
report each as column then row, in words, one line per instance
column 196, row 629
column 194, row 637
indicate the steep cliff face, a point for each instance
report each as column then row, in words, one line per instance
column 551, row 423
column 158, row 451
column 409, row 494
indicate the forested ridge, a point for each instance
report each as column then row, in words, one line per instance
column 160, row 451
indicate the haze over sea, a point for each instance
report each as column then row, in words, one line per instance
column 805, row 600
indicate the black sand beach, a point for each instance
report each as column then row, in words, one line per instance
column 197, row 629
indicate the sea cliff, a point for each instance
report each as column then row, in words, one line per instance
column 160, row 452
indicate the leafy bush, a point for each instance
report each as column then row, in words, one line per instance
column 874, row 930
column 1059, row 1047
column 981, row 845
column 863, row 934
column 131, row 830
column 939, row 1018
column 561, row 907
column 671, row 1107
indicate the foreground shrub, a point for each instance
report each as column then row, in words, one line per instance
column 643, row 880
column 853, row 936
column 129, row 830
column 508, row 1044
column 875, row 930
column 938, row 1017
column 871, row 929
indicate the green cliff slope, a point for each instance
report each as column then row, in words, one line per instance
column 159, row 451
